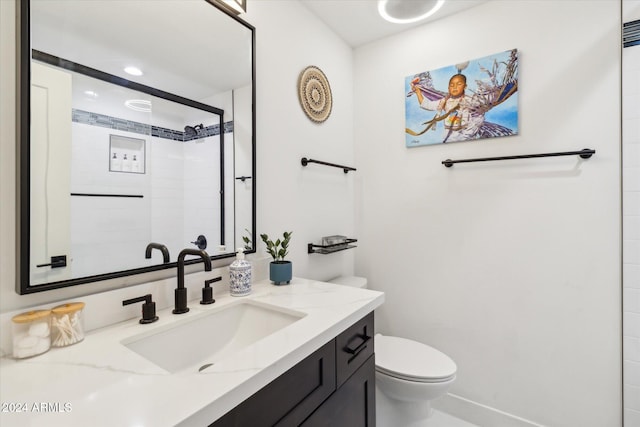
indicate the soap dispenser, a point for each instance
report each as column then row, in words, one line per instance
column 135, row 164
column 240, row 275
column 116, row 163
column 126, row 164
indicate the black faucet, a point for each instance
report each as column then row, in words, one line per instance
column 161, row 247
column 181, row 291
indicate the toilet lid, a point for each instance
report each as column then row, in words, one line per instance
column 411, row 360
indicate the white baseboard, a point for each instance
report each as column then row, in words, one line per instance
column 478, row 414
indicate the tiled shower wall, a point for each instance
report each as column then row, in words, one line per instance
column 631, row 232
column 114, row 231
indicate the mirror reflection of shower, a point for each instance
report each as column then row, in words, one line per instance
column 191, row 131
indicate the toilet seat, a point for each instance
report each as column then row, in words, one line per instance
column 412, row 361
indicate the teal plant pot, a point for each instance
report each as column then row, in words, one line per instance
column 280, row 272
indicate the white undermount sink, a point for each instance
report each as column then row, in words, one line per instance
column 201, row 340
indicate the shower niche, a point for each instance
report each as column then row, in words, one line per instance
column 127, row 154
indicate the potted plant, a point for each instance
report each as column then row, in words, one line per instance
column 280, row 271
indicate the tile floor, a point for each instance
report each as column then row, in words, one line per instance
column 442, row 419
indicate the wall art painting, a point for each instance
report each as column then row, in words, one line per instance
column 468, row 101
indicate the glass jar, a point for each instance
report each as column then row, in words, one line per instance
column 67, row 324
column 31, row 333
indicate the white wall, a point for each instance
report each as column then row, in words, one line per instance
column 511, row 268
column 631, row 221
column 106, row 232
column 201, row 205
column 8, row 135
column 242, row 137
column 312, row 201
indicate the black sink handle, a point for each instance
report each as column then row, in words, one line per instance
column 207, row 291
column 148, row 308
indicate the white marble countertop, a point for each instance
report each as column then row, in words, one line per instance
column 100, row 382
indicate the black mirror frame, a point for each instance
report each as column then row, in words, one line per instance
column 23, row 286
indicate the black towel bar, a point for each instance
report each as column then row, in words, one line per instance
column 139, row 196
column 306, row 161
column 585, row 154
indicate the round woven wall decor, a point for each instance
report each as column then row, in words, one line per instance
column 314, row 93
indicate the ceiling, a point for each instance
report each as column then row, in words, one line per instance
column 357, row 22
column 182, row 56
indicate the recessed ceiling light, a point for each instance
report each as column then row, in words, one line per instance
column 91, row 93
column 407, row 11
column 139, row 105
column 134, row 71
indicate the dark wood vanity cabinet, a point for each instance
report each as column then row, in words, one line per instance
column 334, row 386
column 353, row 404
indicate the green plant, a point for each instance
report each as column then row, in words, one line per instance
column 248, row 245
column 280, row 248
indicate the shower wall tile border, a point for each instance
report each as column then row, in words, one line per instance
column 115, row 123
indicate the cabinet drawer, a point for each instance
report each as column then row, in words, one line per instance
column 353, row 347
column 290, row 398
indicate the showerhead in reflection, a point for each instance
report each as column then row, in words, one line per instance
column 190, row 131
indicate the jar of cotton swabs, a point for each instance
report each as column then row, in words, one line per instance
column 67, row 324
column 31, row 333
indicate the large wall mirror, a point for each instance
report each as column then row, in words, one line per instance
column 137, row 135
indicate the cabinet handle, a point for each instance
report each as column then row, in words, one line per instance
column 360, row 347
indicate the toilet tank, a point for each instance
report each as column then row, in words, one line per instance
column 355, row 281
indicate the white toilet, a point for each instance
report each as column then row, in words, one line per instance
column 409, row 375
